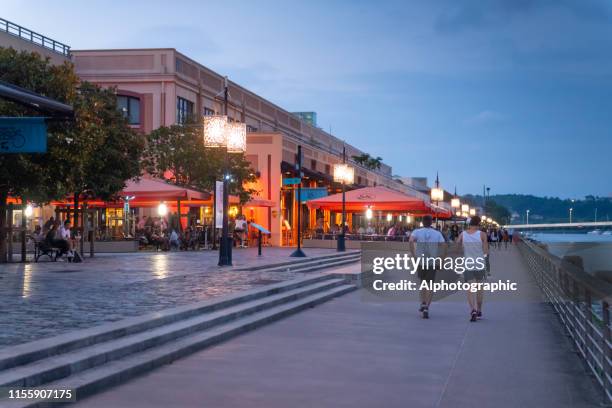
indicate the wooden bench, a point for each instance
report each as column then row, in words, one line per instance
column 41, row 248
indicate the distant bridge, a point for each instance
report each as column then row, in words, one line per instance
column 598, row 224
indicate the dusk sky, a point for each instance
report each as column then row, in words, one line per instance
column 513, row 94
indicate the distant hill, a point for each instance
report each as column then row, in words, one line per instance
column 551, row 209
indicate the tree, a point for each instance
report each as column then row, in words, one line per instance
column 34, row 176
column 177, row 154
column 368, row 161
column 93, row 155
column 105, row 151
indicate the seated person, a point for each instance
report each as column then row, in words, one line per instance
column 53, row 239
column 65, row 234
column 38, row 235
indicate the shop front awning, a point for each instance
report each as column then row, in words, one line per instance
column 377, row 198
column 147, row 189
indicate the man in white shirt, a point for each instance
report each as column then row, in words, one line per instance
column 426, row 242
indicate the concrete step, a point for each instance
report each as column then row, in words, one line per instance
column 316, row 264
column 321, row 266
column 297, row 261
column 52, row 368
column 112, row 373
column 40, row 349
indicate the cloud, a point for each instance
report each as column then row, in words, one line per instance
column 485, row 117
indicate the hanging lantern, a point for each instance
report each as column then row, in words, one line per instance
column 215, row 132
column 236, row 137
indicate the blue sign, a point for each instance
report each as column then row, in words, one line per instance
column 23, row 135
column 289, row 181
column 260, row 228
column 312, row 193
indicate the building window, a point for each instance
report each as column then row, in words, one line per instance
column 184, row 110
column 359, row 180
column 313, row 164
column 327, row 169
column 208, row 112
column 130, row 108
column 251, row 129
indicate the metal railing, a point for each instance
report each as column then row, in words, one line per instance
column 582, row 303
column 34, row 37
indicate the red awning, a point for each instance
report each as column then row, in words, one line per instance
column 377, row 198
column 155, row 189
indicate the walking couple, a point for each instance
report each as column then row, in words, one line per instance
column 428, row 240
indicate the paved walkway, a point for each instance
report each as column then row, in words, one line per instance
column 44, row 299
column 359, row 351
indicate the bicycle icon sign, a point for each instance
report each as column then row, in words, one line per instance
column 23, row 135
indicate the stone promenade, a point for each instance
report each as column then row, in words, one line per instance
column 362, row 351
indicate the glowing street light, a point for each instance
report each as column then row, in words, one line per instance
column 437, row 195
column 219, row 132
column 345, row 174
column 472, row 212
column 368, row 213
column 29, row 210
column 465, row 208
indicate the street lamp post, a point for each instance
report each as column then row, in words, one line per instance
column 437, row 195
column 219, row 132
column 456, row 203
column 571, row 210
column 527, row 217
column 344, row 174
column 298, row 253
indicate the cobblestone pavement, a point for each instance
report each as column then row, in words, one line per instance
column 44, row 299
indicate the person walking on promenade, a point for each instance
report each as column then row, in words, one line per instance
column 426, row 241
column 506, row 238
column 475, row 245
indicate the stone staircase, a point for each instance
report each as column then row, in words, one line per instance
column 92, row 359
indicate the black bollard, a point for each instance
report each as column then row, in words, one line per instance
column 259, row 244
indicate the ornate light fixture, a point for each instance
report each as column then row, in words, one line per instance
column 236, row 137
column 465, row 208
column 343, row 173
column 472, row 212
column 437, row 194
column 389, row 217
column 215, row 131
column 455, row 202
column 368, row 213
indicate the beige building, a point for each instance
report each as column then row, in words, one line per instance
column 161, row 87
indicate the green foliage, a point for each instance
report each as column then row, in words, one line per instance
column 94, row 154
column 105, row 151
column 36, row 175
column 368, row 161
column 553, row 209
column 177, row 154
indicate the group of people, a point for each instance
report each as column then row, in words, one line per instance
column 475, row 244
column 57, row 234
column 166, row 234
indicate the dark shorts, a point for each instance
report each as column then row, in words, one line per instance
column 475, row 275
column 427, row 274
